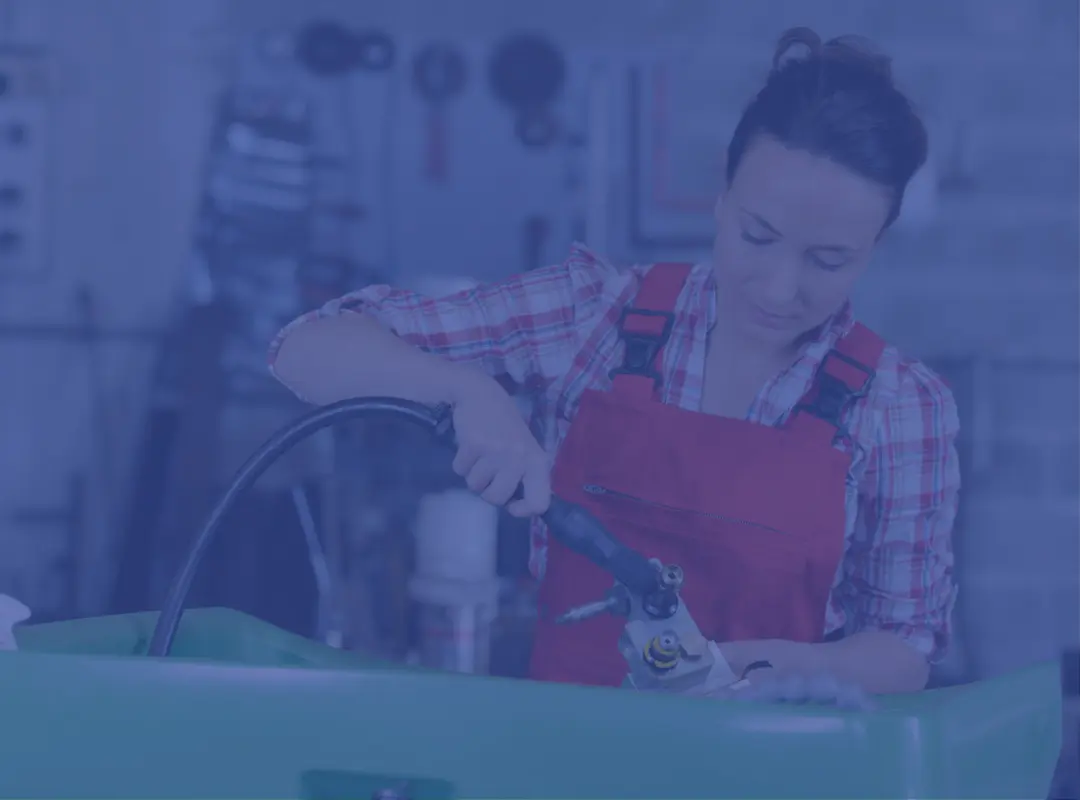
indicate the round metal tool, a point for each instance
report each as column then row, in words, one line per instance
column 527, row 73
column 330, row 50
column 439, row 72
column 377, row 51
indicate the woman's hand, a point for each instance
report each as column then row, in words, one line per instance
column 496, row 450
column 770, row 686
column 789, row 677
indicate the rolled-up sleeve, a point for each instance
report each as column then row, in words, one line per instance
column 522, row 330
column 900, row 565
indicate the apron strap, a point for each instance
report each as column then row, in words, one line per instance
column 844, row 376
column 645, row 328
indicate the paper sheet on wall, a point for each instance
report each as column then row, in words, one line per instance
column 686, row 110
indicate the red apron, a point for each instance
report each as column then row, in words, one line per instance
column 755, row 515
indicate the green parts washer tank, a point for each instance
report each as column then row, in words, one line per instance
column 243, row 709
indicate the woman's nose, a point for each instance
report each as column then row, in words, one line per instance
column 781, row 284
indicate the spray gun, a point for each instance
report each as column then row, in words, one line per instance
column 664, row 648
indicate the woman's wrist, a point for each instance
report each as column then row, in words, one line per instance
column 776, row 653
column 461, row 382
column 753, row 667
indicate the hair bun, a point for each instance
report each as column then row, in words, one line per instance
column 858, row 50
column 849, row 49
column 794, row 38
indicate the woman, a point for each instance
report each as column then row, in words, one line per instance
column 730, row 417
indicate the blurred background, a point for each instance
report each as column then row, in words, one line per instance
column 179, row 179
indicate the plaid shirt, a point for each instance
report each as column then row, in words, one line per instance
column 550, row 334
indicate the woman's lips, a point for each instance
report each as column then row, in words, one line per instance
column 770, row 320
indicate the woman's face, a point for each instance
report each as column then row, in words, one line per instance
column 794, row 232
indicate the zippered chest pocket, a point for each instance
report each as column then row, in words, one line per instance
column 601, row 491
column 689, row 532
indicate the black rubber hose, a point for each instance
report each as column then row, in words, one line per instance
column 570, row 524
column 437, row 420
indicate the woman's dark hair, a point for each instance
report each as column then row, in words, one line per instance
column 837, row 101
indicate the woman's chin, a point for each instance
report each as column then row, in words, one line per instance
column 770, row 335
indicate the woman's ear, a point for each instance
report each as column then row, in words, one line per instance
column 718, row 206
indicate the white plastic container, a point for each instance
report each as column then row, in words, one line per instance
column 12, row 612
column 456, row 584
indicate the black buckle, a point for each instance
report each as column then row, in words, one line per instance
column 833, row 395
column 641, row 348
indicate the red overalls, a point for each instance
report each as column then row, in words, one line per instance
column 754, row 515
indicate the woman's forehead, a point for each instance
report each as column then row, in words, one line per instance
column 804, row 196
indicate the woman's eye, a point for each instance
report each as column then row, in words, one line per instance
column 831, row 266
column 754, row 239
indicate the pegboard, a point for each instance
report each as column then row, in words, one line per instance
column 24, row 158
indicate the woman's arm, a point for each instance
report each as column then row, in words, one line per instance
column 311, row 362
column 522, row 331
column 876, row 661
column 898, row 568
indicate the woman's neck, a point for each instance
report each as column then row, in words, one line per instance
column 731, row 346
column 736, row 370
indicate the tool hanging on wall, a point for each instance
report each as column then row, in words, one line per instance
column 330, row 50
column 527, row 74
column 439, row 75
